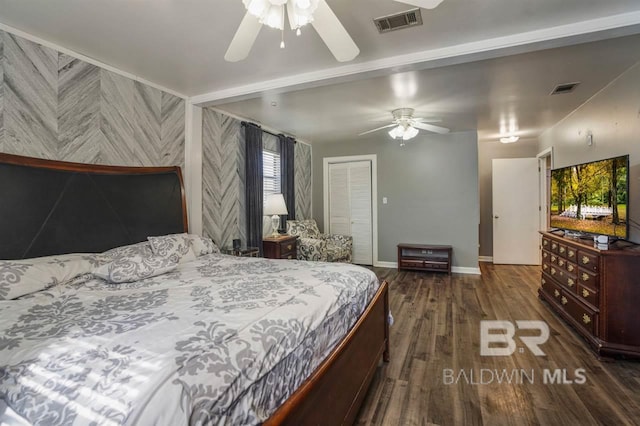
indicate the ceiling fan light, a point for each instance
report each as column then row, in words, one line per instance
column 256, row 7
column 274, row 18
column 396, row 132
column 303, row 4
column 410, row 133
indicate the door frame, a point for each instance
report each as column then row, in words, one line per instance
column 543, row 189
column 374, row 193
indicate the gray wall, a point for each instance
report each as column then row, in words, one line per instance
column 487, row 151
column 432, row 190
column 55, row 106
column 223, row 161
column 613, row 117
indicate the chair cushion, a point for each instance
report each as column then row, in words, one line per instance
column 303, row 228
column 337, row 253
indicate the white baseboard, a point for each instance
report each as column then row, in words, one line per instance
column 381, row 264
column 485, row 259
column 455, row 269
column 465, row 270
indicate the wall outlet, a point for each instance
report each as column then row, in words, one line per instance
column 384, row 200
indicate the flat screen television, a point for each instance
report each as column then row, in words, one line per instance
column 592, row 198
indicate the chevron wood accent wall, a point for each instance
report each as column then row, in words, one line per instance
column 303, row 181
column 58, row 107
column 223, row 177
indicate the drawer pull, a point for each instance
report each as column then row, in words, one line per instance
column 553, row 271
column 570, row 268
column 561, row 262
column 545, row 242
column 586, row 319
column 544, row 281
column 572, row 253
column 545, row 255
column 585, row 293
column 556, row 293
column 545, row 266
column 570, row 282
column 554, row 246
column 564, row 300
column 585, row 277
column 289, row 257
column 562, row 249
column 553, row 258
column 585, row 260
column 289, row 247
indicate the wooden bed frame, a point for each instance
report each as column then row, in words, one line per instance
column 332, row 394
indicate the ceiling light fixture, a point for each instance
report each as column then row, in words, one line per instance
column 510, row 139
column 403, row 131
column 271, row 12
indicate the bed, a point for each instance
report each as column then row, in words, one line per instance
column 217, row 340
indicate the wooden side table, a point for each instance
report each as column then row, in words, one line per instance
column 281, row 247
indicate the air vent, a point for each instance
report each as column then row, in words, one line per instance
column 561, row 89
column 398, row 21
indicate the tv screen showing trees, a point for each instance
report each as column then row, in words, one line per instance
column 591, row 197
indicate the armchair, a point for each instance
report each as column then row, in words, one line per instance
column 312, row 245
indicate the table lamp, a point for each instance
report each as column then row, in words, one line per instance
column 274, row 207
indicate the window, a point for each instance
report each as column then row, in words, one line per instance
column 270, row 174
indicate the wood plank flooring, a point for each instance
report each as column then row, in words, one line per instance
column 437, row 327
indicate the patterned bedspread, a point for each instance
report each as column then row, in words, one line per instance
column 220, row 340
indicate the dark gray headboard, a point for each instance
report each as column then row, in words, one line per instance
column 53, row 207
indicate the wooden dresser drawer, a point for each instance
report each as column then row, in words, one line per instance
column 546, row 255
column 588, row 260
column 546, row 243
column 288, row 250
column 554, row 259
column 411, row 263
column 554, row 247
column 550, row 287
column 562, row 262
column 571, row 267
column 587, row 318
column 571, row 253
column 589, row 295
column 562, row 250
column 281, row 247
column 588, row 278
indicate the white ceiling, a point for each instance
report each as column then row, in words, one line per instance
column 180, row 44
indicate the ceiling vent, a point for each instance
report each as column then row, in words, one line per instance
column 398, row 21
column 561, row 89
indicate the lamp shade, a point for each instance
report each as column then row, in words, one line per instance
column 275, row 205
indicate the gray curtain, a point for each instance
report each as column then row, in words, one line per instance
column 253, row 184
column 287, row 173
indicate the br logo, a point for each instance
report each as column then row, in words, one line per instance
column 497, row 337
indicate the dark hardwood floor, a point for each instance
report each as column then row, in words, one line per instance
column 437, row 327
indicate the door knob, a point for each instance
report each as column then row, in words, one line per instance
column 496, row 217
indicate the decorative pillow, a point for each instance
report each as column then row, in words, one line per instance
column 127, row 269
column 21, row 277
column 176, row 247
column 203, row 245
column 307, row 228
column 139, row 249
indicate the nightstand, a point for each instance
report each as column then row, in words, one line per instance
column 281, row 247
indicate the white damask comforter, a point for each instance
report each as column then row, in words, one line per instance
column 220, row 340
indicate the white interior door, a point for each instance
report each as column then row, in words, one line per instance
column 515, row 211
column 350, row 206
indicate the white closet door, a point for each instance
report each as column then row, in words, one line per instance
column 339, row 207
column 360, row 197
column 350, row 208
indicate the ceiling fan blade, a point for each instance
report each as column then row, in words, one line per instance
column 333, row 33
column 424, row 4
column 379, row 128
column 427, row 120
column 431, row 128
column 243, row 40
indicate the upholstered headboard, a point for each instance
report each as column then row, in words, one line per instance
column 53, row 207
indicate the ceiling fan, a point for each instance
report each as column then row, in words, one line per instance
column 405, row 125
column 299, row 13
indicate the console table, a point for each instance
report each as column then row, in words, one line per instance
column 424, row 257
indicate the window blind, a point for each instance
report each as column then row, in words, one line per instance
column 270, row 174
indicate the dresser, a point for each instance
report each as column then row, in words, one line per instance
column 281, row 247
column 596, row 291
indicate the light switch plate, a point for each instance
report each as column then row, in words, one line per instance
column 384, row 200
